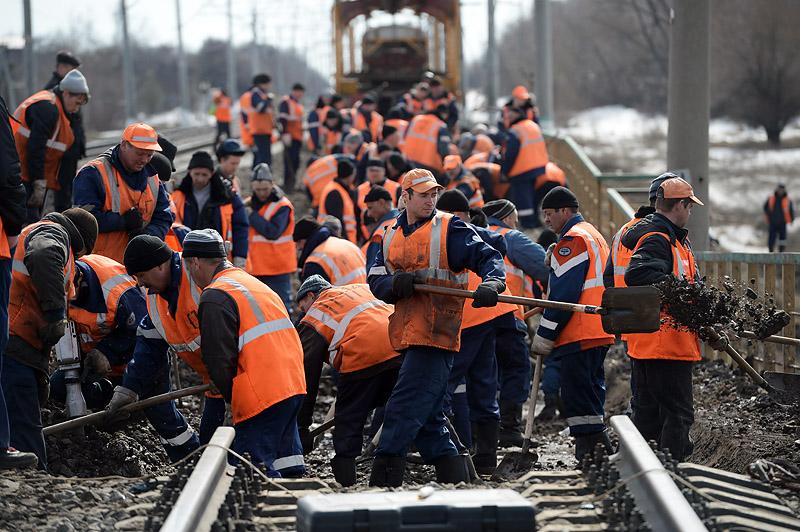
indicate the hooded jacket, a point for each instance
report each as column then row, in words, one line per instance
column 652, row 262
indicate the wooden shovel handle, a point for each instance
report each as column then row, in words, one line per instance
column 514, row 300
column 713, row 336
column 785, row 340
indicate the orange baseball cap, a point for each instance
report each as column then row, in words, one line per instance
column 451, row 162
column 677, row 188
column 142, row 136
column 419, row 180
column 520, row 92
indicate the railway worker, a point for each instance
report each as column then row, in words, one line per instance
column 376, row 177
column 427, row 140
column 520, row 99
column 290, row 112
column 380, row 207
column 425, row 327
column 414, row 100
column 779, row 212
column 524, row 262
column 106, row 309
column 44, row 261
column 578, row 339
column 44, row 136
column 458, row 177
column 229, row 156
column 439, row 95
column 222, row 114
column 271, row 255
column 347, row 327
column 662, row 361
column 331, row 132
column 337, row 260
column 204, row 200
column 361, row 151
column 260, row 118
column 336, row 200
column 252, row 353
column 245, row 109
column 122, row 190
column 12, row 218
column 396, row 166
column 319, row 173
column 394, row 129
column 315, row 119
column 366, row 119
column 524, row 160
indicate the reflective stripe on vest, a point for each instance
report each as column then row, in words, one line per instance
column 342, row 260
column 532, row 150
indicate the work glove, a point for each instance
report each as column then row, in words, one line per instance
column 286, row 138
column 95, row 362
column 486, row 294
column 403, row 284
column 133, row 220
column 239, row 262
column 122, row 396
column 541, row 345
column 52, row 332
column 36, row 198
column 549, row 254
column 306, row 439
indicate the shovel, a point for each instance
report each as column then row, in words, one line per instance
column 635, row 309
column 786, row 383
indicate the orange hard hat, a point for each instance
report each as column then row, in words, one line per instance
column 142, row 136
column 677, row 188
column 419, row 180
column 520, row 92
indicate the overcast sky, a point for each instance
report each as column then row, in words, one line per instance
column 302, row 23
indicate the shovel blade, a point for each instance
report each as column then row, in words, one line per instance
column 788, row 384
column 636, row 309
column 514, row 465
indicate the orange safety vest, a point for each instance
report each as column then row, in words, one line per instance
column 259, row 123
column 413, row 105
column 552, row 173
column 399, row 124
column 620, row 255
column 355, row 324
column 25, row 316
column 363, row 189
column 475, row 158
column 341, row 260
column 421, row 143
column 171, row 238
column 476, row 200
column 318, row 175
column 245, row 110
column 348, row 209
column 375, row 126
column 270, row 364
column 94, row 326
column 478, row 316
column 222, row 112
column 272, row 257
column 483, row 144
column 532, row 149
column 430, row 103
column 329, row 139
column 59, row 142
column 120, row 198
column 424, row 319
column 668, row 343
column 507, row 118
column 787, row 213
column 587, row 328
column 517, row 283
column 294, row 119
column 377, row 234
column 500, row 184
column 178, row 205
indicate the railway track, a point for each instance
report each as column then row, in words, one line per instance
column 635, row 489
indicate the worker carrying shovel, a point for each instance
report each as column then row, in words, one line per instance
column 576, row 276
column 662, row 361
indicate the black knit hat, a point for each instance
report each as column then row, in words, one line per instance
column 86, row 224
column 498, row 208
column 304, row 228
column 344, row 169
column 66, row 58
column 453, row 201
column 204, row 243
column 144, row 253
column 258, row 79
column 168, row 150
column 162, row 166
column 201, row 159
column 376, row 193
column 377, row 163
column 559, row 198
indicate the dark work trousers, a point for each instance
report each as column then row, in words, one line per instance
column 263, row 149
column 513, row 360
column 355, row 399
column 583, row 390
column 663, row 410
column 272, row 439
column 62, row 198
column 523, row 195
column 291, row 163
column 475, row 368
column 777, row 235
column 5, row 289
column 213, row 417
column 551, row 374
column 281, row 285
column 21, row 389
column 223, row 131
column 414, row 412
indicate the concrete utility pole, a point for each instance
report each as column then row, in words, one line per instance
column 127, row 68
column 254, row 62
column 183, row 71
column 491, row 57
column 231, row 59
column 30, row 67
column 687, row 140
column 544, row 63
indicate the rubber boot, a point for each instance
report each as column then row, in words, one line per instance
column 550, row 410
column 586, row 443
column 344, row 470
column 387, row 471
column 485, row 437
column 510, row 434
column 11, row 458
column 452, row 469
